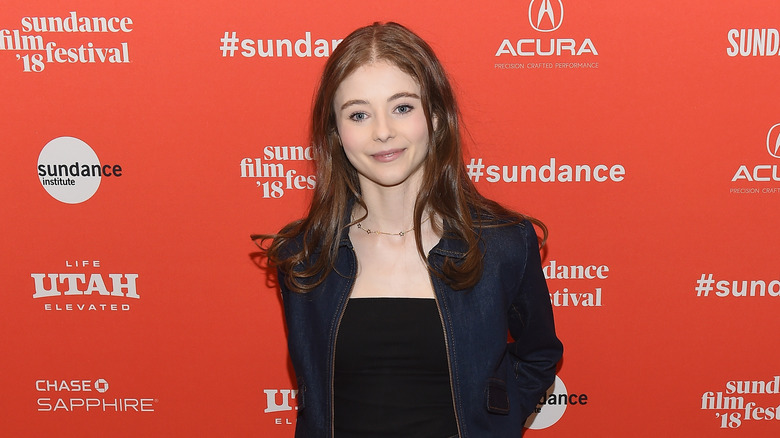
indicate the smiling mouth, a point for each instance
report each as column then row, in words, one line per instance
column 387, row 155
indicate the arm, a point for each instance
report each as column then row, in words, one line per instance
column 536, row 348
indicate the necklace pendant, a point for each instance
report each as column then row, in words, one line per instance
column 369, row 231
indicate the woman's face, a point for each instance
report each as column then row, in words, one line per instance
column 382, row 125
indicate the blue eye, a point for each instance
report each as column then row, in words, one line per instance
column 358, row 116
column 403, row 109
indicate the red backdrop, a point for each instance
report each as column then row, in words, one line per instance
column 645, row 135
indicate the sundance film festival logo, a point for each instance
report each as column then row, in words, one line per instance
column 33, row 41
column 761, row 173
column 741, row 402
column 70, row 171
column 274, row 173
column 578, row 296
column 545, row 16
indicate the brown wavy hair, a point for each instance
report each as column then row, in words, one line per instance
column 446, row 191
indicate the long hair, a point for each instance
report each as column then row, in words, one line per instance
column 446, row 191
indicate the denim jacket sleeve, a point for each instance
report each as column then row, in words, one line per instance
column 535, row 346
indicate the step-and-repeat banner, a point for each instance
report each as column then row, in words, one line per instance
column 143, row 142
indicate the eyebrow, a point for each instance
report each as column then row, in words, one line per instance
column 389, row 99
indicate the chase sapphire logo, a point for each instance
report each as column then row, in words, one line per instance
column 545, row 15
column 773, row 141
column 101, row 385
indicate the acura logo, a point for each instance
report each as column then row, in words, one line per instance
column 545, row 15
column 773, row 141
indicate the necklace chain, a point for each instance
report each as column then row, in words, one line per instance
column 400, row 233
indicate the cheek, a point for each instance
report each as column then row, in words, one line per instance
column 347, row 135
column 350, row 140
column 420, row 130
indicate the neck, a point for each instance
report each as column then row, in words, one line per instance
column 390, row 209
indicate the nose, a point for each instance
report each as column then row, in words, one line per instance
column 383, row 128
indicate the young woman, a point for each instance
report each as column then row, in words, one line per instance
column 402, row 283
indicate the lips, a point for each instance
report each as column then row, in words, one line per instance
column 388, row 155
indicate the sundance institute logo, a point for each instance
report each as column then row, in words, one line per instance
column 70, row 171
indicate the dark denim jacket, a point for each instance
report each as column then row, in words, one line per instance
column 495, row 384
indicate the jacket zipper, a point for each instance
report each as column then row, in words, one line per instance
column 449, row 358
column 333, row 356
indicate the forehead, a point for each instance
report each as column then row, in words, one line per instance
column 378, row 80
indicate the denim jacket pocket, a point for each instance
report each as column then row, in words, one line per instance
column 497, row 397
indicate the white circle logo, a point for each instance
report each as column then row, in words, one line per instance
column 549, row 413
column 69, row 170
column 101, row 385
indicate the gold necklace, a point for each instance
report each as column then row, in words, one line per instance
column 400, row 233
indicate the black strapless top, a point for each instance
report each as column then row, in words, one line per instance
column 391, row 371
